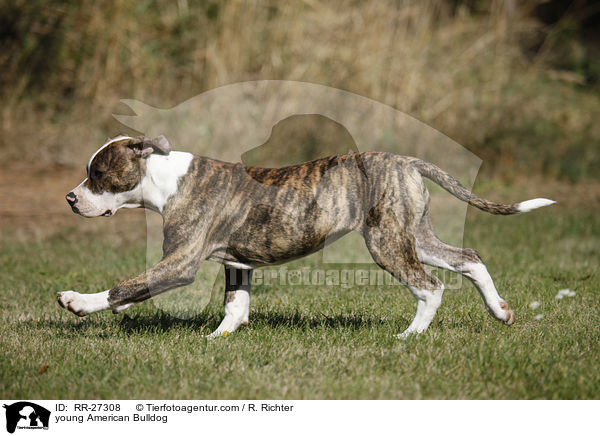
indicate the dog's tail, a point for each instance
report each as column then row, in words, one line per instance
column 454, row 187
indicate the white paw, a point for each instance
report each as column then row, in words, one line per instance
column 83, row 304
column 228, row 326
column 217, row 334
column 508, row 316
column 406, row 333
column 73, row 302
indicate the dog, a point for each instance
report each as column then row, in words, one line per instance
column 247, row 217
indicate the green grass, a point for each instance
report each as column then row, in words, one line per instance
column 310, row 343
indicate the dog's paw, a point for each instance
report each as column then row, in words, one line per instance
column 405, row 334
column 509, row 318
column 408, row 333
column 72, row 301
column 217, row 334
column 83, row 304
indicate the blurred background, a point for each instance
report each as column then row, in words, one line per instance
column 515, row 82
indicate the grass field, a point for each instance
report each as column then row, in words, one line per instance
column 311, row 343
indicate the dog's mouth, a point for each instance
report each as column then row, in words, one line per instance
column 107, row 212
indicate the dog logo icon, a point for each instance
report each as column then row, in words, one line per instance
column 26, row 415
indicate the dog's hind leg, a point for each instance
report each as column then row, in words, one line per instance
column 237, row 301
column 465, row 261
column 393, row 249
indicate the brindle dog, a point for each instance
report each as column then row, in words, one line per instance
column 247, row 217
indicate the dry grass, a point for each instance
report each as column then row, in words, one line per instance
column 65, row 68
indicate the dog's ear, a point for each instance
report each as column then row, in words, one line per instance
column 146, row 146
column 161, row 145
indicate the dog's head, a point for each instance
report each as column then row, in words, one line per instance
column 114, row 176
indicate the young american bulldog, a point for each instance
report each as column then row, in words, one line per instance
column 246, row 217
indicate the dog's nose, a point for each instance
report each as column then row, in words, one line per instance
column 71, row 198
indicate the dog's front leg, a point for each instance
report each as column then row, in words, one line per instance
column 237, row 301
column 174, row 270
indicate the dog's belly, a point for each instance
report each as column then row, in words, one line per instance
column 269, row 235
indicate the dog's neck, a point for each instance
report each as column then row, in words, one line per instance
column 162, row 176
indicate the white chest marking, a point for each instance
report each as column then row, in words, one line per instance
column 162, row 176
